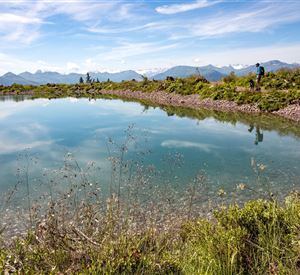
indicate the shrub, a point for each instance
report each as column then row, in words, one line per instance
column 230, row 78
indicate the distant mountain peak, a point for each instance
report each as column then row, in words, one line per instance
column 211, row 72
column 9, row 74
column 11, row 78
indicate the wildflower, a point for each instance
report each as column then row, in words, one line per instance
column 221, row 192
column 241, row 186
column 262, row 167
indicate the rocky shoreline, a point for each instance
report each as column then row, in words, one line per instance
column 291, row 112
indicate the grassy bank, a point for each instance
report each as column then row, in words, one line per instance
column 261, row 237
column 279, row 89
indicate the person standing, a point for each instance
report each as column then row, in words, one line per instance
column 260, row 72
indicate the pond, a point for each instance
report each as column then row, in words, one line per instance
column 102, row 141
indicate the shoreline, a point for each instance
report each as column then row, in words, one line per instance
column 291, row 112
column 193, row 101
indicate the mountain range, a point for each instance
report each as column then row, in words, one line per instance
column 210, row 72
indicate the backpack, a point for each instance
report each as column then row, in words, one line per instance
column 262, row 70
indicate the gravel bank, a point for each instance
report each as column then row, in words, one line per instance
column 291, row 112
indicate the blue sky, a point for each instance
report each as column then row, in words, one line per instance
column 79, row 36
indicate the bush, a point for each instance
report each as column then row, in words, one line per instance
column 259, row 238
column 230, row 78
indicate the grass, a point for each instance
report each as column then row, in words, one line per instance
column 280, row 89
column 260, row 237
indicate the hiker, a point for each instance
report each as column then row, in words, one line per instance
column 259, row 137
column 260, row 72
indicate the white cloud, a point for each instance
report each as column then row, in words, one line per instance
column 73, row 100
column 152, row 71
column 17, row 65
column 90, row 65
column 261, row 17
column 5, row 114
column 151, row 26
column 80, row 10
column 134, row 49
column 246, row 22
column 287, row 53
column 238, row 66
column 130, row 109
column 21, row 35
column 11, row 107
column 21, row 28
column 13, row 18
column 9, row 146
column 20, row 137
column 188, row 144
column 21, row 20
column 72, row 67
column 178, row 8
column 32, row 128
column 283, row 52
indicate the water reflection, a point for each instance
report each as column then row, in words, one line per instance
column 259, row 137
column 260, row 121
column 217, row 142
column 15, row 98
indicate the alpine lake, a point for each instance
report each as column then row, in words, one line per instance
column 48, row 145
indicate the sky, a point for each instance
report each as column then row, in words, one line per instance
column 146, row 35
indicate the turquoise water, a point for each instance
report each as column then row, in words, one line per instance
column 45, row 141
